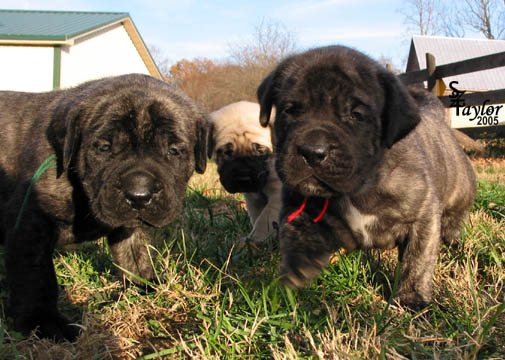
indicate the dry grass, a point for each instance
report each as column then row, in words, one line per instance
column 219, row 300
column 490, row 170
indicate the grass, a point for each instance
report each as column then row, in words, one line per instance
column 220, row 298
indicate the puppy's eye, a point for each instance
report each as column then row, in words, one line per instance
column 226, row 150
column 292, row 109
column 260, row 149
column 174, row 151
column 103, row 145
column 358, row 115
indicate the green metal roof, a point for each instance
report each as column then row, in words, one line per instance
column 52, row 25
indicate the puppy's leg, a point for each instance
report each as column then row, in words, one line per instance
column 129, row 248
column 263, row 223
column 255, row 202
column 452, row 222
column 33, row 289
column 263, row 226
column 305, row 248
column 418, row 256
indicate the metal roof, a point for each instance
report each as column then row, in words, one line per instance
column 448, row 50
column 55, row 28
column 53, row 25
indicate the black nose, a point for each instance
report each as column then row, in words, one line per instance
column 313, row 154
column 138, row 188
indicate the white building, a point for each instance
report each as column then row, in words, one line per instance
column 46, row 50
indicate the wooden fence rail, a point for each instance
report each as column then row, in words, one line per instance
column 461, row 67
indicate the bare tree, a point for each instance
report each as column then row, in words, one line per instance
column 451, row 21
column 161, row 61
column 271, row 42
column 213, row 84
column 486, row 17
column 421, row 16
column 453, row 18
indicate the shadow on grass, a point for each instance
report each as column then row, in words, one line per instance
column 79, row 273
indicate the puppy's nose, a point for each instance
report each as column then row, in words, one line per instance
column 313, row 154
column 138, row 189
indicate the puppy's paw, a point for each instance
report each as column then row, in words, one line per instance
column 52, row 325
column 413, row 300
column 300, row 270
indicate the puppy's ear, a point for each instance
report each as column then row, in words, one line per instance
column 400, row 114
column 271, row 127
column 63, row 134
column 266, row 96
column 201, row 145
column 71, row 140
column 268, row 90
column 211, row 144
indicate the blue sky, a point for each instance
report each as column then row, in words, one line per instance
column 197, row 28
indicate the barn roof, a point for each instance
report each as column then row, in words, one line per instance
column 53, row 28
column 448, row 50
column 53, row 25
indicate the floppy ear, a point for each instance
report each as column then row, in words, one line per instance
column 211, row 144
column 271, row 127
column 63, row 134
column 266, row 97
column 71, row 139
column 400, row 114
column 201, row 146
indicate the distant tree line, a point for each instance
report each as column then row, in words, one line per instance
column 214, row 83
column 455, row 18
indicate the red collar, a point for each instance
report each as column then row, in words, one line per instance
column 295, row 213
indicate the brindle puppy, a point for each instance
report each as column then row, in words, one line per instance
column 125, row 147
column 374, row 164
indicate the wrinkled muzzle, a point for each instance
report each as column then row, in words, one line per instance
column 318, row 162
column 137, row 197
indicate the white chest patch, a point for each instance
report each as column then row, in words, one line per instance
column 359, row 224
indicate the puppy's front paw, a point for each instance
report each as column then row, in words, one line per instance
column 297, row 271
column 50, row 325
column 413, row 299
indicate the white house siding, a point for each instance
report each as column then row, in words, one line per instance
column 26, row 68
column 110, row 53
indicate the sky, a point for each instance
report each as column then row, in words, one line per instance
column 197, row 28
